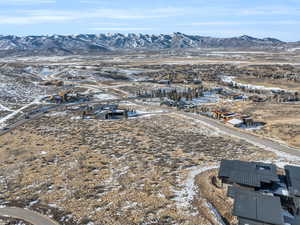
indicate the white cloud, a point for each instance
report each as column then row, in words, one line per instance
column 172, row 11
column 25, row 2
column 271, row 10
column 44, row 16
column 230, row 23
column 221, row 10
column 284, row 22
column 33, row 19
column 91, row 2
column 59, row 16
column 108, row 24
column 214, row 23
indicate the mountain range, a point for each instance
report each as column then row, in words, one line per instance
column 91, row 43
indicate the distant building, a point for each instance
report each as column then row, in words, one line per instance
column 235, row 122
column 164, row 81
column 197, row 81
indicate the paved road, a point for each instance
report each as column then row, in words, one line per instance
column 37, row 219
column 27, row 215
column 237, row 133
column 251, row 138
column 44, row 110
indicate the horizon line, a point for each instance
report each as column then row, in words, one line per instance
column 143, row 33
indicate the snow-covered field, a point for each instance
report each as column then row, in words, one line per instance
column 230, row 80
column 104, row 96
column 4, row 108
column 18, row 93
column 15, row 112
column 18, row 87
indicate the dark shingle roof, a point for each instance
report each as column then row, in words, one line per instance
column 248, row 173
column 233, row 191
column 253, row 206
column 293, row 179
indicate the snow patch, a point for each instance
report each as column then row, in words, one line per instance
column 58, row 114
column 33, row 203
column 214, row 211
column 186, row 195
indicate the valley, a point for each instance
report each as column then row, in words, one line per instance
column 129, row 138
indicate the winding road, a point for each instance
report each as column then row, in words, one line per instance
column 27, row 215
column 38, row 219
column 264, row 143
column 44, row 110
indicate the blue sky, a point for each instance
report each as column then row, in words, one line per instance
column 219, row 18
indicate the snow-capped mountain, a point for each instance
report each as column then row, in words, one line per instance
column 90, row 43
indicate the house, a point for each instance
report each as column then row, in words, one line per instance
column 262, row 195
column 109, row 114
column 228, row 116
column 164, row 82
column 257, row 98
column 293, row 180
column 293, row 186
column 256, row 209
column 218, row 114
column 235, row 122
column 248, row 121
column 248, row 174
column 197, row 82
column 239, row 97
column 105, row 112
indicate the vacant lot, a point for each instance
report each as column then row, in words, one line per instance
column 138, row 171
column 114, row 172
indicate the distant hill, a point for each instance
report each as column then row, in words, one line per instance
column 90, row 43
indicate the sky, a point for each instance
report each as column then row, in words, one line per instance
column 218, row 18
